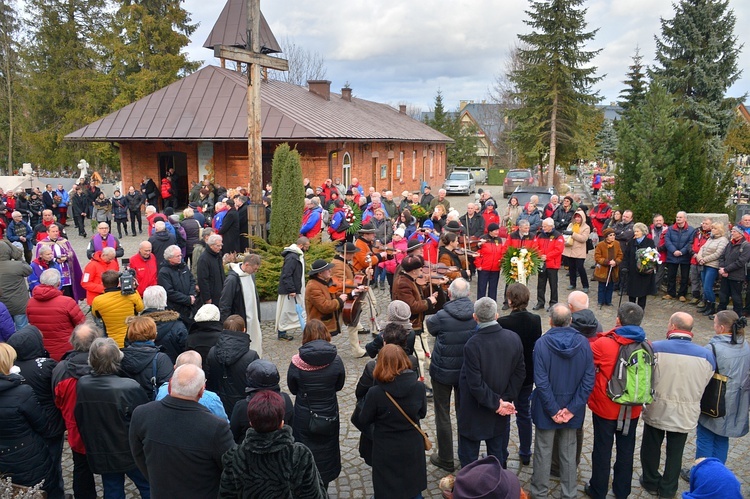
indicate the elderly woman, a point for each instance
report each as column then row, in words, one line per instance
column 315, row 374
column 142, row 360
column 171, row 333
column 26, row 457
column 607, row 256
column 45, row 260
column 639, row 285
column 192, row 231
column 575, row 249
column 708, row 256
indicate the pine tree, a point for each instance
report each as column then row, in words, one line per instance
column 553, row 83
column 288, row 196
column 9, row 74
column 635, row 85
column 66, row 86
column 147, row 48
column 697, row 57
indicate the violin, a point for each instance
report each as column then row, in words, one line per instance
column 337, row 287
column 461, row 251
column 472, row 243
column 440, row 269
column 388, row 249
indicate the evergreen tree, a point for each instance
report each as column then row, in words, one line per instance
column 553, row 82
column 288, row 196
column 66, row 86
column 635, row 84
column 606, row 141
column 146, row 47
column 696, row 59
column 9, row 74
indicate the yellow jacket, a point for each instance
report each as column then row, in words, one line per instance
column 114, row 308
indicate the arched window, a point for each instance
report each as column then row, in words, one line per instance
column 346, row 170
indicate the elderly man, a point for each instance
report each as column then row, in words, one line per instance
column 656, row 231
column 67, row 261
column 177, row 280
column 473, row 221
column 683, row 368
column 160, row 241
column 551, row 207
column 48, row 219
column 145, row 267
column 240, row 297
column 20, row 234
column 53, row 313
column 230, row 229
column 65, row 378
column 113, row 307
column 101, row 262
column 564, row 379
column 624, row 229
column 678, row 240
column 312, row 221
column 103, row 239
column 491, row 377
column 177, row 443
column 390, row 206
column 427, row 198
column 441, row 199
column 211, row 272
column 521, row 238
column 210, row 400
column 550, row 245
column 103, row 411
column 452, row 327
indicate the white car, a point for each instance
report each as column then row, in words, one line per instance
column 460, row 182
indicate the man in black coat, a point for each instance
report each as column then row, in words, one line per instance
column 211, row 272
column 241, row 203
column 177, row 280
column 452, row 327
column 177, row 443
column 473, row 221
column 160, row 241
column 491, row 377
column 230, row 230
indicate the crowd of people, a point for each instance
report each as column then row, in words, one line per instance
column 168, row 356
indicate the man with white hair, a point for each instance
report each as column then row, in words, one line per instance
column 210, row 400
column 473, row 221
column 441, row 199
column 550, row 245
column 177, row 280
column 678, row 240
column 389, row 205
column 160, row 241
column 177, row 443
column 211, row 272
column 312, row 222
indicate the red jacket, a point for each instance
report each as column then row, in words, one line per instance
column 92, row 275
column 605, row 350
column 599, row 215
column 490, row 254
column 166, row 188
column 146, row 271
column 699, row 240
column 55, row 315
column 491, row 217
column 552, row 245
column 516, row 241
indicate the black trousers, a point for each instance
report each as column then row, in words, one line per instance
column 135, row 216
column 578, row 269
column 672, row 279
column 641, row 301
column 545, row 276
column 731, row 288
column 665, row 484
column 84, row 486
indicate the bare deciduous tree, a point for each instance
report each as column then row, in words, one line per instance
column 304, row 64
column 502, row 93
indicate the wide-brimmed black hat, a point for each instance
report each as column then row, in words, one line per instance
column 453, row 226
column 367, row 228
column 413, row 244
column 350, row 248
column 319, row 266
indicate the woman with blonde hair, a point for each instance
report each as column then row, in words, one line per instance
column 575, row 249
column 708, row 256
column 142, row 360
column 25, row 456
column 399, row 470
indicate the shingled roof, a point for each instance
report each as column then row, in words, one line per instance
column 231, row 29
column 210, row 105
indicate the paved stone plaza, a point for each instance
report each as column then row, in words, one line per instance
column 355, row 478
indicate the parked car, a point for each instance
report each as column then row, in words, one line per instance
column 543, row 193
column 460, row 182
column 479, row 172
column 517, row 178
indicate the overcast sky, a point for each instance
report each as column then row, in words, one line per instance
column 403, row 52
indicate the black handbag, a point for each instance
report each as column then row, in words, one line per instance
column 713, row 401
column 323, row 425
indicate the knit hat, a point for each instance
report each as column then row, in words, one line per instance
column 427, row 224
column 399, row 232
column 738, row 228
column 492, row 226
column 489, row 203
column 208, row 312
column 486, row 478
column 710, row 479
column 399, row 313
column 261, row 375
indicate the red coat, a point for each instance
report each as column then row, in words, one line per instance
column 599, row 215
column 491, row 217
column 146, row 271
column 490, row 254
column 516, row 241
column 92, row 275
column 552, row 245
column 699, row 240
column 55, row 315
column 605, row 352
column 166, row 188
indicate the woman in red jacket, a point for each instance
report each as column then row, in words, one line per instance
column 488, row 262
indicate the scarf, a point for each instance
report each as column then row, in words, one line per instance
column 251, row 309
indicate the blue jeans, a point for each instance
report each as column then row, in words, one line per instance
column 20, row 321
column 523, row 421
column 709, row 444
column 114, row 484
column 605, row 434
column 487, row 284
column 468, row 450
column 708, row 276
column 605, row 293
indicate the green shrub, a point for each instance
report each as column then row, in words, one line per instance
column 288, row 200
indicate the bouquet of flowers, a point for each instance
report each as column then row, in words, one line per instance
column 646, row 260
column 418, row 212
column 518, row 265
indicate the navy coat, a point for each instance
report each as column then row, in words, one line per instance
column 528, row 327
column 452, row 327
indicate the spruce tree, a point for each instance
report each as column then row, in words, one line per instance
column 553, row 82
column 606, row 141
column 288, row 196
column 147, row 48
column 9, row 74
column 635, row 84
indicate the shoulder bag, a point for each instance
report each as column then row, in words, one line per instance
column 713, row 401
column 427, row 443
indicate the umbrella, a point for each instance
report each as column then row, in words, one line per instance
column 300, row 313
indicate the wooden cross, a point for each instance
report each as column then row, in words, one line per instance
column 255, row 60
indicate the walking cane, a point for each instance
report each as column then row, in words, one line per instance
column 609, row 274
column 623, row 284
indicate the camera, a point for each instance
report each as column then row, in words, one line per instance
column 127, row 278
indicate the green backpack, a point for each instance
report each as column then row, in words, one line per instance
column 631, row 383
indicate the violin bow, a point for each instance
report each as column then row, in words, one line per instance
column 429, row 268
column 343, row 272
column 466, row 253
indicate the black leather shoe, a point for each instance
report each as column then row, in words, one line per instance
column 435, row 461
column 363, row 331
column 538, row 306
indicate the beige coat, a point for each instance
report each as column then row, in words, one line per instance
column 578, row 250
column 711, row 251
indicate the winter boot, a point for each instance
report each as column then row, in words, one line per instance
column 710, row 309
column 702, row 307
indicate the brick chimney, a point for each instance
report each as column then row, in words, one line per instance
column 346, row 94
column 320, row 87
column 402, row 108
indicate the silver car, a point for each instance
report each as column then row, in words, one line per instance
column 460, row 182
